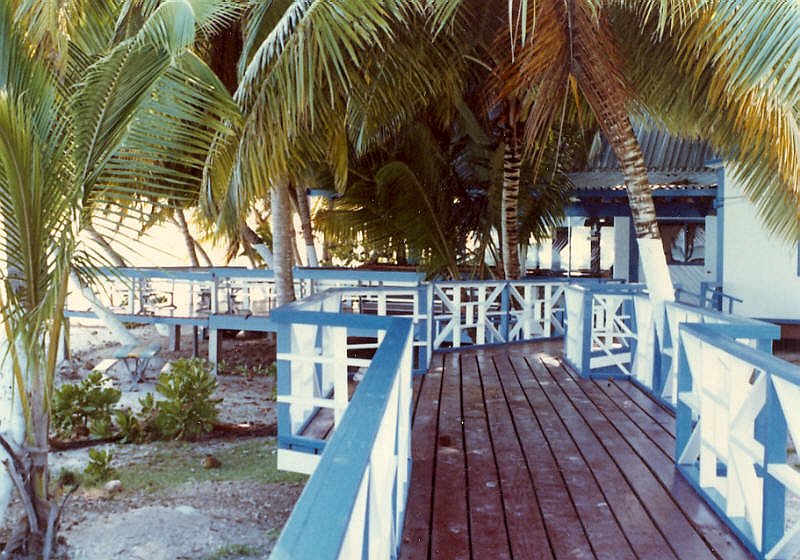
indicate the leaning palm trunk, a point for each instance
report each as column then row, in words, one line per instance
column 608, row 100
column 282, row 243
column 180, row 220
column 111, row 253
column 509, row 230
column 105, row 316
column 258, row 245
column 305, row 222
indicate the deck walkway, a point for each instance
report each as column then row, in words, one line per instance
column 514, row 457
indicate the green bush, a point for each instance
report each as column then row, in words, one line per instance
column 99, row 468
column 188, row 409
column 142, row 427
column 85, row 408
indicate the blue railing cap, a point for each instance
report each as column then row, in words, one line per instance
column 346, row 457
column 721, row 336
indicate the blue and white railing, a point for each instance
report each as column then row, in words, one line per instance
column 602, row 333
column 355, row 500
column 735, row 402
column 485, row 312
column 354, row 504
column 735, row 405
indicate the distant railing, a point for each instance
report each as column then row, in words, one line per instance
column 601, row 335
column 188, row 292
column 486, row 312
column 735, row 403
column 613, row 331
column 354, row 504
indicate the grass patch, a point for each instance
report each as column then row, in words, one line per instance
column 233, row 551
column 175, row 463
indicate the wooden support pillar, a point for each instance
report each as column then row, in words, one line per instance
column 214, row 347
column 196, row 341
column 175, row 338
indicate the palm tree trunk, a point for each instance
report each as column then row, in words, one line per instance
column 282, row 233
column 202, row 253
column 180, row 220
column 111, row 253
column 326, row 246
column 509, row 230
column 12, row 423
column 308, row 232
column 108, row 319
column 609, row 104
column 258, row 245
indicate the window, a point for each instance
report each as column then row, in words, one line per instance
column 684, row 243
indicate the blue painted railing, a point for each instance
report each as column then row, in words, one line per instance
column 601, row 336
column 734, row 401
column 354, row 504
column 736, row 404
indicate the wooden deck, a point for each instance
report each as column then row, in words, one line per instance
column 514, row 457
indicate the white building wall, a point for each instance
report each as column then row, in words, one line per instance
column 757, row 268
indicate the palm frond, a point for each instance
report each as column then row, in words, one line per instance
column 753, row 128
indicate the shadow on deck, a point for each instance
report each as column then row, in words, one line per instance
column 516, row 457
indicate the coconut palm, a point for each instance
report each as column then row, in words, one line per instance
column 344, row 93
column 78, row 129
column 347, row 70
column 685, row 62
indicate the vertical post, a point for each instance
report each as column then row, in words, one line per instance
column 284, row 383
column 424, row 327
column 505, row 304
column 213, row 333
column 480, row 331
column 683, row 413
column 174, row 338
column 214, row 343
column 337, row 338
column 770, row 431
column 633, row 254
column 456, row 316
column 587, row 323
column 547, row 318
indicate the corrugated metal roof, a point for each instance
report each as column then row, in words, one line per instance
column 669, row 161
column 662, row 153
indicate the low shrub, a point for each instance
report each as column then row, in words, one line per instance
column 85, row 408
column 99, row 468
column 188, row 409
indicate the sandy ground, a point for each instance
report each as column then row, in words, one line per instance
column 192, row 520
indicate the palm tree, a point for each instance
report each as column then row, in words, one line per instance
column 685, row 62
column 78, row 130
column 344, row 92
column 328, row 72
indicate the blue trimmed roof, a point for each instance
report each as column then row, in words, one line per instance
column 670, row 161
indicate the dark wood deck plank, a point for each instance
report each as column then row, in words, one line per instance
column 450, row 524
column 522, row 515
column 661, row 436
column 656, row 502
column 489, row 536
column 654, row 409
column 565, row 532
column 638, row 434
column 516, row 457
column 416, row 534
column 605, row 535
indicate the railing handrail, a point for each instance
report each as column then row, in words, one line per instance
column 339, row 477
column 752, row 410
column 724, row 337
